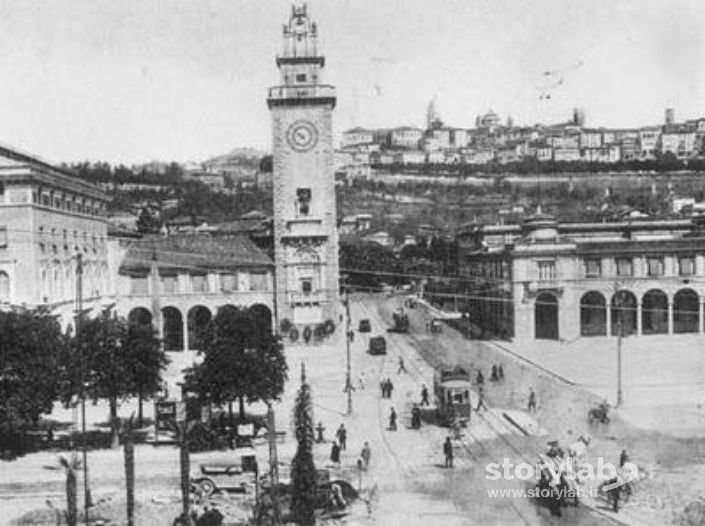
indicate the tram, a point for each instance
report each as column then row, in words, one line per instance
column 452, row 389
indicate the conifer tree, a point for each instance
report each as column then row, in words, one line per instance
column 303, row 469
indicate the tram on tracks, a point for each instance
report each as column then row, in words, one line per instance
column 452, row 389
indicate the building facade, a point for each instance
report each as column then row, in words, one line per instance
column 49, row 221
column 178, row 284
column 562, row 281
column 305, row 233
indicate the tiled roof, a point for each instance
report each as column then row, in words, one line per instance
column 193, row 253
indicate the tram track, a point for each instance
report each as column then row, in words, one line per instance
column 529, row 457
column 416, row 374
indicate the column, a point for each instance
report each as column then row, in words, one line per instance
column 608, row 321
column 184, row 319
column 670, row 317
column 638, row 318
column 700, row 314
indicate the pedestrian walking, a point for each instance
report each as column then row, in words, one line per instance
column 366, row 454
column 481, row 399
column 342, row 435
column 361, row 380
column 319, row 432
column 392, row 420
column 623, row 458
column 532, row 401
column 494, row 376
column 390, row 388
column 402, row 367
column 383, row 388
column 479, row 378
column 335, row 453
column 424, row 395
column 500, row 372
column 448, row 452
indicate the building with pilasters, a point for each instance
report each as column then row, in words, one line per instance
column 49, row 221
column 549, row 280
column 305, row 234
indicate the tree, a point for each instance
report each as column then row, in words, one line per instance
column 147, row 359
column 118, row 362
column 30, row 345
column 303, row 469
column 242, row 361
column 146, row 222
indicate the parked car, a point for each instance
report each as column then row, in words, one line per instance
column 365, row 326
column 378, row 345
column 236, row 472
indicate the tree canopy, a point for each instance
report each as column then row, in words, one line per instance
column 242, row 360
column 30, row 345
column 119, row 360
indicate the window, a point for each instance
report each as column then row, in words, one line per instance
column 654, row 266
column 624, row 267
column 686, row 266
column 301, row 77
column 45, row 200
column 547, row 270
column 258, row 281
column 303, row 201
column 199, row 283
column 169, row 284
column 228, row 282
column 306, row 285
column 139, row 285
column 593, row 268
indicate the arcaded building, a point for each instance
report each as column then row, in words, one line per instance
column 179, row 283
column 562, row 281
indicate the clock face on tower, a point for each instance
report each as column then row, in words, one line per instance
column 302, row 136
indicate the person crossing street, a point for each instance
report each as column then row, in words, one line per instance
column 402, row 367
column 448, row 452
column 424, row 395
column 392, row 420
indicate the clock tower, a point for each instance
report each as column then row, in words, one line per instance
column 305, row 233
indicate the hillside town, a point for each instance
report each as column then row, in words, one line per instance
column 492, row 141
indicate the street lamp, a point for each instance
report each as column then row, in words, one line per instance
column 348, row 334
column 620, row 330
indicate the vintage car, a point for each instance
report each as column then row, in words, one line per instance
column 364, row 326
column 233, row 472
column 378, row 345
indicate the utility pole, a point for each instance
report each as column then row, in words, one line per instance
column 348, row 380
column 82, row 390
column 620, row 332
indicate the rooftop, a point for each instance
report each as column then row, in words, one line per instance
column 193, row 253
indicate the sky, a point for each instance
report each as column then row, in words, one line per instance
column 131, row 81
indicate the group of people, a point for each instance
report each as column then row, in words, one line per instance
column 341, row 443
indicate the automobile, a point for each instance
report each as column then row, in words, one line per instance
column 236, row 472
column 364, row 326
column 284, row 476
column 378, row 345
